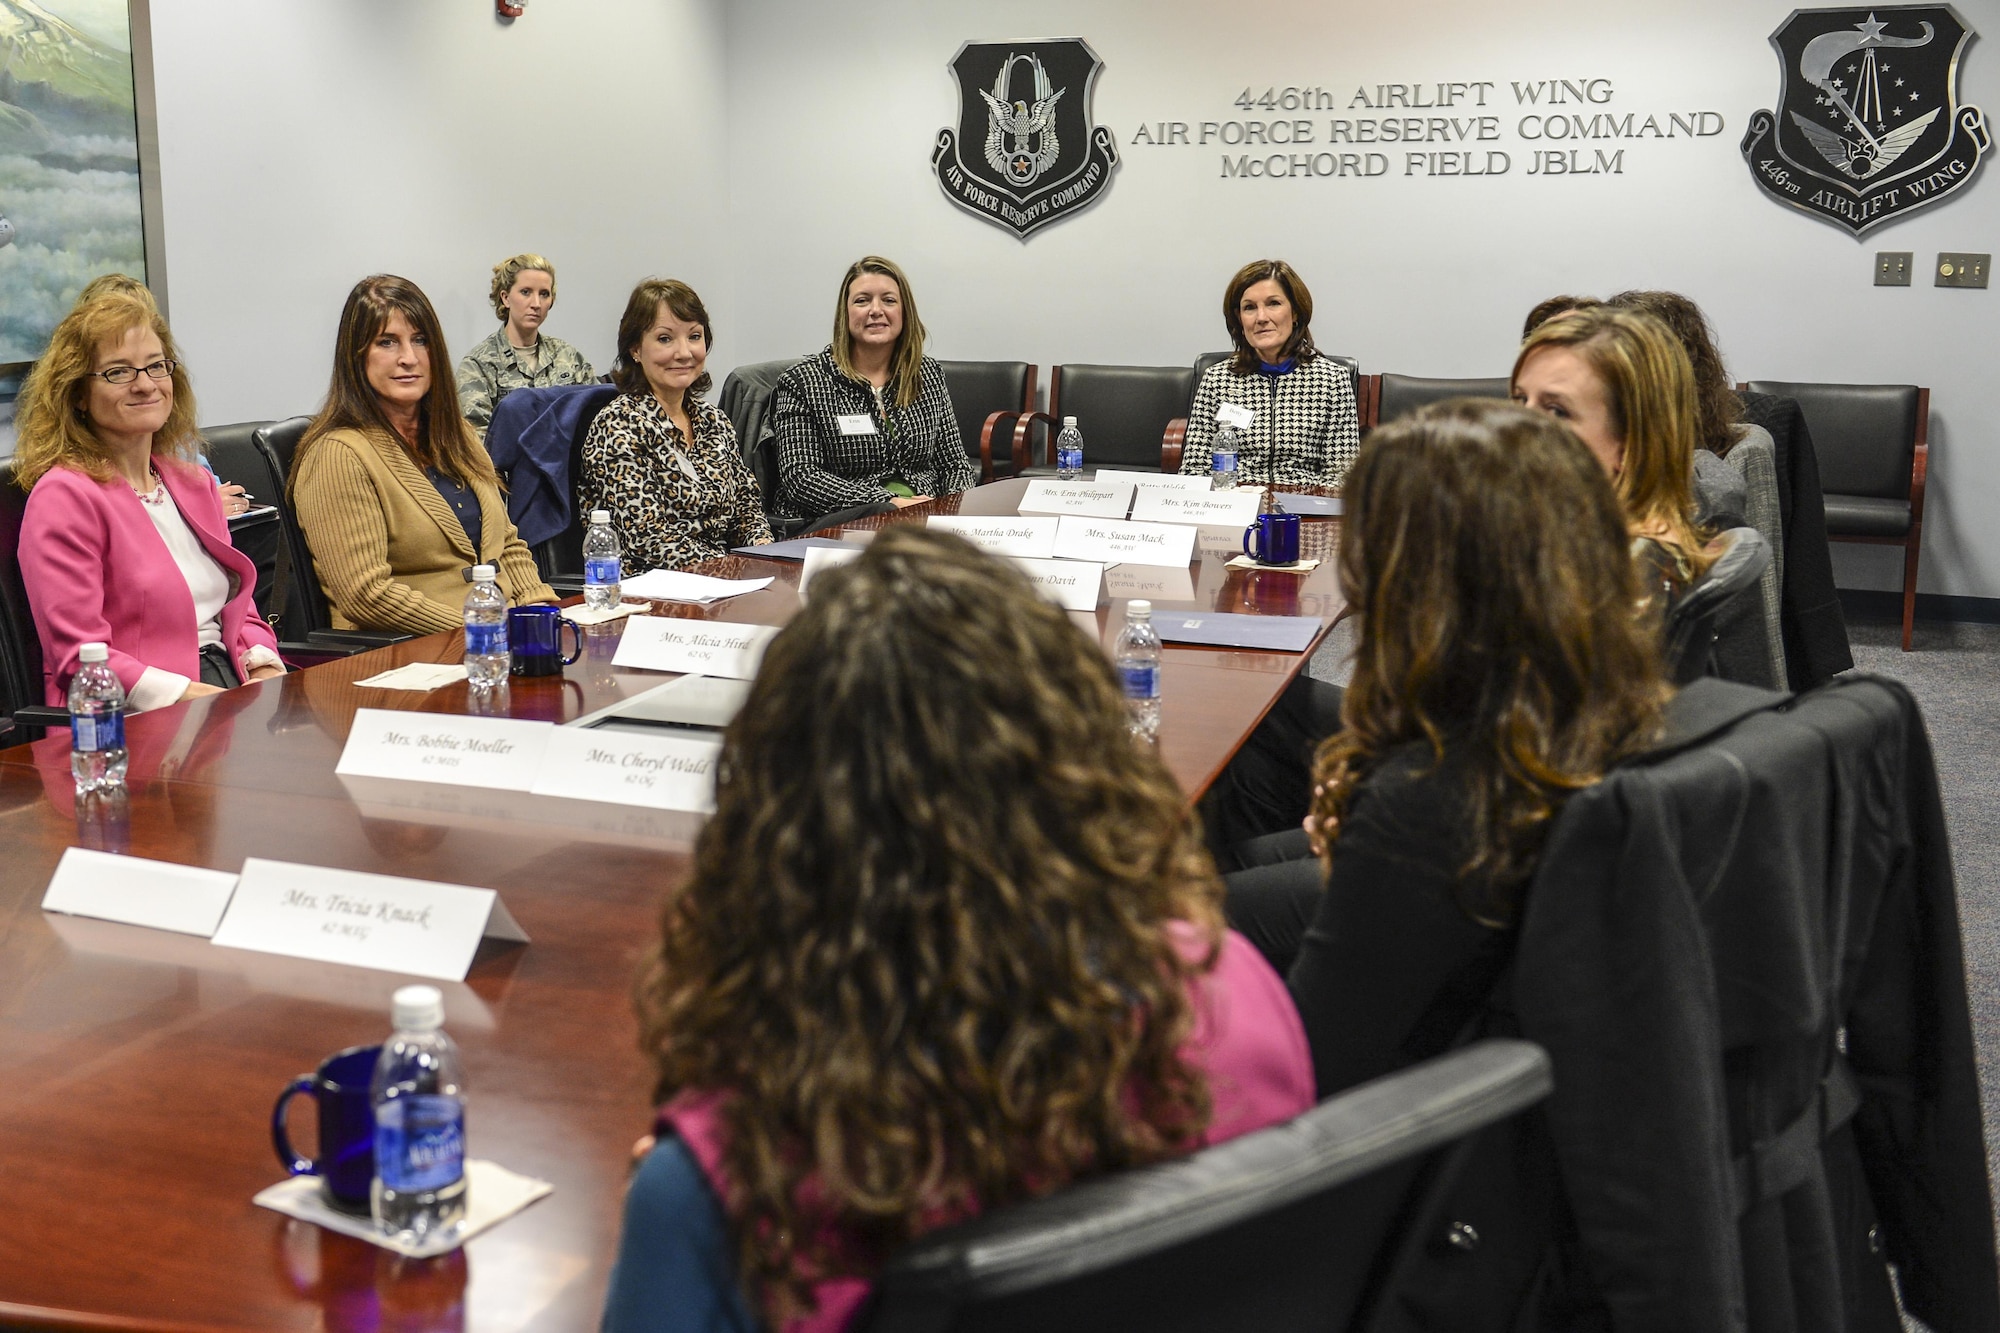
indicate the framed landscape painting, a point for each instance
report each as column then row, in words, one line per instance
column 70, row 199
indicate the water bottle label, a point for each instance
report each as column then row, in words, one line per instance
column 1225, row 461
column 91, row 734
column 1142, row 681
column 1069, row 459
column 601, row 570
column 483, row 639
column 420, row 1142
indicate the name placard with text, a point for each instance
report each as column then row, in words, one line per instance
column 703, row 647
column 1107, row 543
column 1077, row 497
column 822, row 558
column 443, row 747
column 664, row 771
column 1070, row 584
column 1027, row 537
column 1171, row 480
column 1157, row 504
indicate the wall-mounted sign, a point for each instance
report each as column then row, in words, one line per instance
column 1024, row 152
column 1868, row 125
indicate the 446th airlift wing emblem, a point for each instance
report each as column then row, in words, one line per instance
column 1868, row 125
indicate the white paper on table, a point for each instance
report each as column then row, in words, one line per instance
column 819, row 559
column 386, row 922
column 695, row 647
column 417, row 676
column 1070, row 584
column 1169, row 480
column 1156, row 504
column 664, row 769
column 673, row 585
column 492, row 1195
column 444, row 747
column 159, row 894
column 1106, row 542
column 584, row 615
column 1027, row 537
column 1076, row 497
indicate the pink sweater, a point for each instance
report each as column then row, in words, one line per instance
column 1247, row 1039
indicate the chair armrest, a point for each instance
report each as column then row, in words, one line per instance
column 1920, row 461
column 41, row 715
column 1024, row 436
column 1369, row 409
column 1172, row 443
column 566, row 584
column 355, row 640
column 986, row 432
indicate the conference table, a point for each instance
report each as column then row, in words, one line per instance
column 138, row 1067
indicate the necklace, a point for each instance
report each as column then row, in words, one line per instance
column 158, row 493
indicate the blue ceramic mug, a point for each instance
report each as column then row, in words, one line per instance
column 1273, row 539
column 346, row 1162
column 534, row 633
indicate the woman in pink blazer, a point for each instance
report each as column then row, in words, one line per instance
column 124, row 542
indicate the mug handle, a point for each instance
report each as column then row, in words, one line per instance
column 1247, row 533
column 576, row 632
column 282, row 1141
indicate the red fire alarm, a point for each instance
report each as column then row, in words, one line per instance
column 508, row 10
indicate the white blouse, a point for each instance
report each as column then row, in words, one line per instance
column 208, row 582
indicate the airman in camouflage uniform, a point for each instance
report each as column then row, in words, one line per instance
column 524, row 290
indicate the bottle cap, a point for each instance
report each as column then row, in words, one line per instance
column 93, row 652
column 600, row 516
column 484, row 573
column 417, row 1009
column 1068, row 422
column 1139, row 609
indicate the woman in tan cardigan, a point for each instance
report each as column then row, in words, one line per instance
column 395, row 496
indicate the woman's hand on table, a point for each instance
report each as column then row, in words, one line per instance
column 235, row 500
column 905, row 501
column 198, row 689
column 265, row 672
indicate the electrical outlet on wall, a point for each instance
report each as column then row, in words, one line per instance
column 1892, row 267
column 1963, row 270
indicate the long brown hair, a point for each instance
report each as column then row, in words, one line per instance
column 642, row 311
column 924, row 946
column 1300, row 344
column 906, row 365
column 444, row 441
column 1486, row 555
column 52, row 426
column 1718, row 411
column 1649, row 387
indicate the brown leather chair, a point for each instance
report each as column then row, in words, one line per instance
column 1873, row 447
column 988, row 398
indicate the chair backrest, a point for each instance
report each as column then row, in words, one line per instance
column 1742, row 557
column 305, row 609
column 1207, row 359
column 746, row 401
column 1279, row 1229
column 981, row 388
column 20, row 644
column 1122, row 411
column 1864, row 434
column 1402, row 394
column 235, row 457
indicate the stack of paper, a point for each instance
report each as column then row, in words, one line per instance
column 671, row 585
column 417, row 676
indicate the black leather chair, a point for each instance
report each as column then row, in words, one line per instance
column 988, row 397
column 1292, row 1228
column 1397, row 395
column 233, row 453
column 306, row 621
column 1175, row 439
column 1874, row 451
column 1123, row 412
column 746, row 401
column 1742, row 556
column 21, row 698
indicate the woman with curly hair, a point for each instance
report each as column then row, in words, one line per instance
column 950, row 942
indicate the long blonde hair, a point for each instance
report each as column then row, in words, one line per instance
column 906, row 365
column 52, row 422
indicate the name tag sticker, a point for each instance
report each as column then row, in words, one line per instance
column 1026, row 538
column 666, row 772
column 1235, row 414
column 699, row 647
column 138, row 892
column 857, row 423
column 820, row 558
column 438, row 747
column 1108, row 543
column 1232, row 508
column 386, row 922
column 1070, row 584
column 1110, row 500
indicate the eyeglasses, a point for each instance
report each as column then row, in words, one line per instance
column 159, row 370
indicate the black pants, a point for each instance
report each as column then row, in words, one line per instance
column 217, row 669
column 1267, row 787
column 1271, row 906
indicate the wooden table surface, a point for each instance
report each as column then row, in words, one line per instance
column 138, row 1067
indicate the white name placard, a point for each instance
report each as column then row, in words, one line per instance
column 444, row 747
column 824, row 557
column 1026, row 538
column 1107, row 543
column 1234, row 508
column 1109, row 476
column 702, row 647
column 664, row 771
column 344, row 916
column 1234, row 414
column 1156, row 583
column 138, row 892
column 1077, row 497
column 1070, row 584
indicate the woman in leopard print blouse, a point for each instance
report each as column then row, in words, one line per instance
column 662, row 461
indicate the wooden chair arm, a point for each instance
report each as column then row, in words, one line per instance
column 1172, row 443
column 986, row 430
column 1024, row 437
column 1920, row 461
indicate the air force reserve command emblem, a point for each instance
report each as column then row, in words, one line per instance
column 1868, row 125
column 1024, row 152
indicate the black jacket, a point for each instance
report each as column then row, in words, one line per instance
column 1814, row 630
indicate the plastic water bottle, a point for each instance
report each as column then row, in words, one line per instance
column 96, row 724
column 1222, row 456
column 1069, row 451
column 1137, row 657
column 601, row 567
column 419, row 1096
column 486, row 659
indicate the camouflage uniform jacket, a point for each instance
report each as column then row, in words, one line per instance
column 490, row 371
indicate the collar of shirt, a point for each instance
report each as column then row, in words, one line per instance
column 1284, row 367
